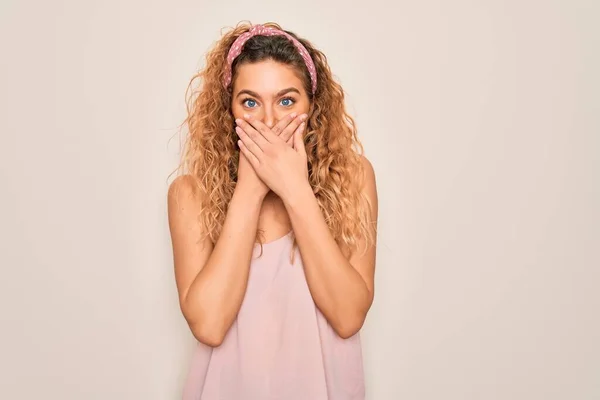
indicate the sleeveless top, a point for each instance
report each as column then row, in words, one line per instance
column 280, row 347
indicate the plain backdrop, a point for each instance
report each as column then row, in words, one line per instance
column 481, row 119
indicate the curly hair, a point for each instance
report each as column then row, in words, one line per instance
column 211, row 154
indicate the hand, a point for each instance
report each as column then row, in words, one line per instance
column 281, row 167
column 247, row 177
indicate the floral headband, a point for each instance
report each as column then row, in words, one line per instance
column 261, row 30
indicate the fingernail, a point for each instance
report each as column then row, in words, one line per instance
column 247, row 116
column 294, row 115
column 303, row 117
column 302, row 125
column 238, row 121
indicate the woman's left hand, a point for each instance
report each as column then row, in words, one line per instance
column 281, row 167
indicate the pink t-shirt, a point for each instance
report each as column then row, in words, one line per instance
column 280, row 347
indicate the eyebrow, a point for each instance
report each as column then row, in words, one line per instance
column 280, row 93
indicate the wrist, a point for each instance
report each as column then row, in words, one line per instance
column 249, row 195
column 300, row 195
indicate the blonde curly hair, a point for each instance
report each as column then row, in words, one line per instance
column 210, row 154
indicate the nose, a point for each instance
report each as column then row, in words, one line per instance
column 269, row 117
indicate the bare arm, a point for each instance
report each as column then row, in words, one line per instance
column 342, row 289
column 211, row 279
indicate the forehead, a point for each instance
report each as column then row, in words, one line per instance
column 266, row 77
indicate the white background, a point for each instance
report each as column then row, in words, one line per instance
column 481, row 119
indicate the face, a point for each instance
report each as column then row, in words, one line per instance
column 269, row 91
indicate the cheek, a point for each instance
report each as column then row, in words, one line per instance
column 304, row 105
column 236, row 110
column 239, row 110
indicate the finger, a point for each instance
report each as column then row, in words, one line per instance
column 249, row 143
column 299, row 139
column 248, row 154
column 289, row 130
column 280, row 126
column 263, row 129
column 256, row 136
column 292, row 138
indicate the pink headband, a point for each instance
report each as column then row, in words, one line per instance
column 261, row 30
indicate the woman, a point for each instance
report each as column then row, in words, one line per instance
column 273, row 225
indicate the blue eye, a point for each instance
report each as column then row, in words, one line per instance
column 249, row 103
column 287, row 102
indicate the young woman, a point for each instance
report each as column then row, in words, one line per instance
column 273, row 225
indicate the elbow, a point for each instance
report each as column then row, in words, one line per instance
column 346, row 332
column 211, row 339
column 207, row 335
column 348, row 327
column 206, row 329
column 348, row 321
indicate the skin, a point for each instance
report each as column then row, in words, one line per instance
column 272, row 194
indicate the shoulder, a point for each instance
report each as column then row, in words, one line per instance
column 369, row 175
column 369, row 186
column 184, row 206
column 183, row 185
column 367, row 167
column 183, row 194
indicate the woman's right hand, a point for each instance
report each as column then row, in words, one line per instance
column 247, row 178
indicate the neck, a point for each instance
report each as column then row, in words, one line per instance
column 272, row 198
